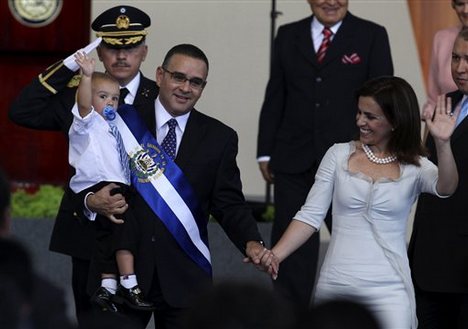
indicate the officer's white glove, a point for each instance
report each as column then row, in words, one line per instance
column 70, row 60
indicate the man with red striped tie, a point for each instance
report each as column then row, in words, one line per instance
column 309, row 105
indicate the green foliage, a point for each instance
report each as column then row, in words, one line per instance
column 44, row 203
column 269, row 213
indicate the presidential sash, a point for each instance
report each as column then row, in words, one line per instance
column 164, row 187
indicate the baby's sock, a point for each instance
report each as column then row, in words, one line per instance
column 110, row 284
column 128, row 281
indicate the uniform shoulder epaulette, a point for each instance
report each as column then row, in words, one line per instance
column 74, row 82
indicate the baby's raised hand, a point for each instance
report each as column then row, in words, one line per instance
column 86, row 64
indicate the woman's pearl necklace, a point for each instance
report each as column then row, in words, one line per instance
column 372, row 158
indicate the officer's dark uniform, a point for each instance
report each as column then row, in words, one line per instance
column 46, row 103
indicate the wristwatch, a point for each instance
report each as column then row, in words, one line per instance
column 259, row 241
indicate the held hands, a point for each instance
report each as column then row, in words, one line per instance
column 262, row 258
column 441, row 121
column 106, row 204
column 86, row 64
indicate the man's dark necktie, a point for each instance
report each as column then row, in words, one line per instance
column 169, row 142
column 327, row 33
column 123, row 93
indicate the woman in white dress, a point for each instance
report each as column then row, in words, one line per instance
column 373, row 183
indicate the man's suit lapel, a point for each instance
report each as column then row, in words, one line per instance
column 191, row 141
column 304, row 41
column 342, row 41
column 339, row 45
column 144, row 102
column 462, row 128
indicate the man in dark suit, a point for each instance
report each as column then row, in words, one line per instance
column 46, row 103
column 205, row 151
column 438, row 250
column 309, row 105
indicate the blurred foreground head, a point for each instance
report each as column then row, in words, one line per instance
column 240, row 306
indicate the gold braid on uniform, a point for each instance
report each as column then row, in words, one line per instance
column 50, row 71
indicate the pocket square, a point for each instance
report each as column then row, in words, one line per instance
column 351, row 59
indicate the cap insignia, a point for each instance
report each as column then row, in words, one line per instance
column 122, row 22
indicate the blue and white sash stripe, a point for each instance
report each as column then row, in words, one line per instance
column 164, row 187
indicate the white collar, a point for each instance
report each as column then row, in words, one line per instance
column 162, row 116
column 132, row 86
column 317, row 27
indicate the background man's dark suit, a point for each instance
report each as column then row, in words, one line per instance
column 308, row 107
column 438, row 250
column 39, row 107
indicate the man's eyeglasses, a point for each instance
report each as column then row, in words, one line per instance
column 180, row 78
